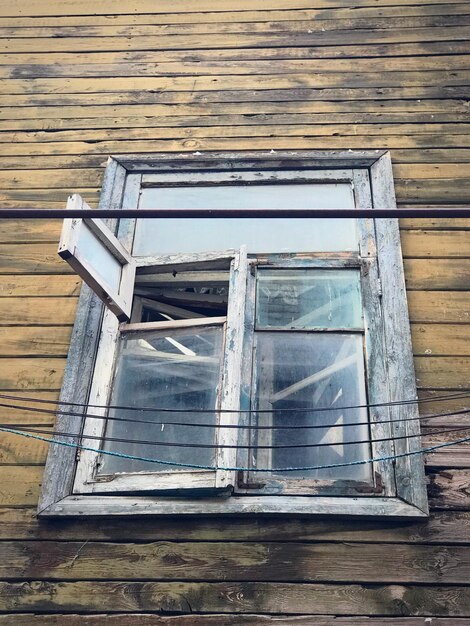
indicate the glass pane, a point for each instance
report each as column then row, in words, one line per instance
column 167, row 236
column 297, row 373
column 169, row 369
column 308, row 298
column 99, row 257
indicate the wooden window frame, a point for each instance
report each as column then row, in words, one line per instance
column 122, row 181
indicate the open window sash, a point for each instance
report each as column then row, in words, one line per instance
column 99, row 258
column 184, row 364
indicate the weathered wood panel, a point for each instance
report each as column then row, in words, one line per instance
column 302, row 562
column 441, row 339
column 276, row 598
column 31, row 374
column 35, row 341
column 37, row 311
column 37, row 285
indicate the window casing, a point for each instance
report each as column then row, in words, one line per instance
column 348, row 356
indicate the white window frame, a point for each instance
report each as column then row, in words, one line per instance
column 372, row 176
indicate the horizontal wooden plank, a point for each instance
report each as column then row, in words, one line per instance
column 453, row 457
column 438, row 191
column 34, row 341
column 240, row 40
column 435, row 223
column 274, row 598
column 442, row 92
column 246, row 116
column 442, row 243
column 38, row 285
column 449, row 489
column 27, row 230
column 312, row 51
column 437, row 274
column 302, row 562
column 447, row 372
column 283, row 129
column 341, row 22
column 107, row 7
column 33, row 179
column 431, row 405
column 72, row 116
column 31, row 374
column 268, row 142
column 263, row 66
column 31, row 258
column 438, row 306
column 219, row 619
column 43, row 311
column 444, row 527
column 20, row 485
column 228, row 16
column 441, row 339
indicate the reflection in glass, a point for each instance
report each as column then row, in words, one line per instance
column 168, row 236
column 171, row 369
column 297, row 371
column 308, row 299
column 99, row 257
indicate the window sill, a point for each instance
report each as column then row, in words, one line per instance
column 106, row 506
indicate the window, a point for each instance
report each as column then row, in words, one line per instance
column 260, row 360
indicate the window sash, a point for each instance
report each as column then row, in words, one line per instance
column 87, row 480
column 376, row 387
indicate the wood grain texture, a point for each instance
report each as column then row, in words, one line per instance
column 37, row 311
column 229, row 597
column 219, row 620
column 301, row 562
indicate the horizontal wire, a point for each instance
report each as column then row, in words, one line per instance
column 254, row 212
column 220, row 426
column 458, row 395
column 271, row 470
column 171, row 444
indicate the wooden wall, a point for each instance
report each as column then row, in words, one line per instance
column 84, row 79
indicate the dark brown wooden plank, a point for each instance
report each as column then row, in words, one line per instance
column 303, row 562
column 281, row 598
column 449, row 489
